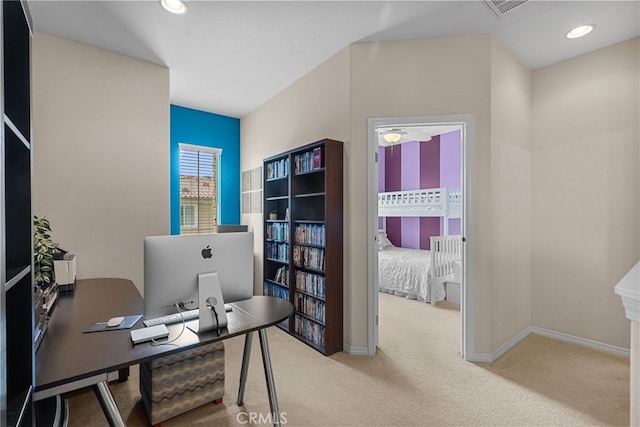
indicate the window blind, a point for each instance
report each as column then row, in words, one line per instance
column 199, row 189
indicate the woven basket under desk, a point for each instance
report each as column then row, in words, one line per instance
column 174, row 384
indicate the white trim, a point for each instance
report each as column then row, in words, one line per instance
column 629, row 291
column 372, row 232
column 559, row 336
column 582, row 342
column 194, row 147
column 355, row 351
column 503, row 348
column 466, row 289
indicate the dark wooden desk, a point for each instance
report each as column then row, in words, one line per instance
column 68, row 359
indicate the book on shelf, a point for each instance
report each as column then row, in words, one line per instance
column 277, row 251
column 310, row 330
column 278, row 231
column 311, row 283
column 310, row 234
column 309, row 161
column 277, row 169
column 282, row 276
column 296, row 255
column 271, row 290
column 310, row 306
column 309, row 257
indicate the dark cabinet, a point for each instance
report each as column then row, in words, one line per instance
column 16, row 229
column 303, row 247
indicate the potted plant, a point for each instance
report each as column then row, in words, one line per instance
column 43, row 249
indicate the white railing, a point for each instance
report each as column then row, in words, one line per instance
column 439, row 202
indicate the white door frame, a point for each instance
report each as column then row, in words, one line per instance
column 466, row 287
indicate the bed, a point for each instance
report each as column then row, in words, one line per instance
column 441, row 202
column 417, row 273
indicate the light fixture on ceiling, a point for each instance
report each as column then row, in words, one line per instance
column 580, row 31
column 392, row 136
column 179, row 7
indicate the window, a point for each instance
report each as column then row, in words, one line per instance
column 199, row 172
column 188, row 216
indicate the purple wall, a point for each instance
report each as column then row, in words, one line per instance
column 429, row 178
column 429, row 164
column 381, row 180
column 415, row 165
column 393, row 168
column 451, row 170
column 410, row 172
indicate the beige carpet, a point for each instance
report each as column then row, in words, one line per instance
column 416, row 379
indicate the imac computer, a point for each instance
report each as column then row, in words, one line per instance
column 231, row 228
column 184, row 272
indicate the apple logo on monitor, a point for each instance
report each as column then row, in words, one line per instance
column 206, row 252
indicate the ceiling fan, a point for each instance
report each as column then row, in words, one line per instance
column 392, row 136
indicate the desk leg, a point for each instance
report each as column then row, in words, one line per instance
column 123, row 374
column 248, row 339
column 108, row 405
column 268, row 373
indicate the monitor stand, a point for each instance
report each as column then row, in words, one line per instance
column 209, row 295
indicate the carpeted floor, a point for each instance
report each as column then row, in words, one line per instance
column 416, row 379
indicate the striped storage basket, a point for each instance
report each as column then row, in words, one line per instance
column 177, row 383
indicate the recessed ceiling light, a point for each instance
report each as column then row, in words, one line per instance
column 174, row 6
column 580, row 31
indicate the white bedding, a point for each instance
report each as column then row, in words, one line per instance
column 405, row 272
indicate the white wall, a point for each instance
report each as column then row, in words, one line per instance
column 101, row 166
column 535, row 164
column 440, row 76
column 585, row 192
column 437, row 76
column 511, row 195
column 315, row 107
column 100, row 153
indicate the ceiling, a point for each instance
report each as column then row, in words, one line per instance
column 230, row 57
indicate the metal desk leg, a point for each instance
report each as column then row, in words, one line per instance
column 268, row 373
column 109, row 407
column 248, row 339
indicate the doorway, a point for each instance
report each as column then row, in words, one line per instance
column 375, row 126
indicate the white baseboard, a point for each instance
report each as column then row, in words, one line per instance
column 355, row 351
column 582, row 342
column 490, row 358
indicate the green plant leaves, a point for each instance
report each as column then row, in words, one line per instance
column 43, row 249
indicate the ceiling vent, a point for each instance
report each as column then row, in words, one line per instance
column 500, row 7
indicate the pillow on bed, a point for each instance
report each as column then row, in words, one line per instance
column 383, row 240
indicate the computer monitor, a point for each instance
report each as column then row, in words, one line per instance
column 172, row 265
column 231, row 228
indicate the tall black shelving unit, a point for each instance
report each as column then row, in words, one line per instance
column 16, row 226
column 303, row 240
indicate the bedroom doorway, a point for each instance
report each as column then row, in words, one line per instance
column 391, row 134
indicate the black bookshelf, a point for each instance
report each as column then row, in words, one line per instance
column 303, row 247
column 16, row 230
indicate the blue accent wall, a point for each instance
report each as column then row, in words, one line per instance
column 196, row 127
